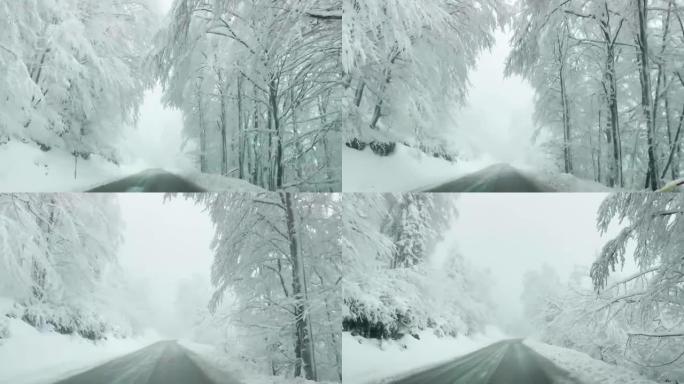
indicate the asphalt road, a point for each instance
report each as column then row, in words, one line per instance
column 153, row 180
column 165, row 362
column 505, row 362
column 496, row 178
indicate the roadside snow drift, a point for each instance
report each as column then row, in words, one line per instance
column 405, row 170
column 29, row 356
column 371, row 361
column 25, row 168
column 223, row 367
column 585, row 368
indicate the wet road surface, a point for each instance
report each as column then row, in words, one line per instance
column 164, row 362
column 505, row 362
column 496, row 178
column 153, row 180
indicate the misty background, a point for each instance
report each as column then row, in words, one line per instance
column 510, row 234
column 166, row 250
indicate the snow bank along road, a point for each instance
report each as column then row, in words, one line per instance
column 164, row 362
column 496, row 178
column 153, row 180
column 505, row 362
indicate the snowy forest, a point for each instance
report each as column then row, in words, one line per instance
column 72, row 73
column 259, row 86
column 406, row 66
column 634, row 320
column 397, row 281
column 268, row 310
column 422, row 301
column 595, row 87
column 610, row 87
column 58, row 266
column 280, row 263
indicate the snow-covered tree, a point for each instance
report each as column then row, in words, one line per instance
column 55, row 253
column 609, row 85
column 259, row 86
column 633, row 320
column 278, row 255
column 406, row 65
column 396, row 281
column 654, row 224
column 72, row 72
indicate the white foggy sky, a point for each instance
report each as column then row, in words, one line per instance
column 164, row 243
column 164, row 5
column 497, row 120
column 509, row 234
column 156, row 141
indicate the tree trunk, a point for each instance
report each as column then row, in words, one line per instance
column 303, row 342
column 377, row 111
column 328, row 149
column 203, row 130
column 670, row 136
column 273, row 101
column 567, row 154
column 256, row 145
column 612, row 101
column 646, row 102
column 600, row 149
column 358, row 94
column 241, row 131
column 299, row 150
column 224, row 134
column 38, row 272
column 673, row 158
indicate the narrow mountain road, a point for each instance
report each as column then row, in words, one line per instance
column 505, row 362
column 496, row 178
column 153, row 180
column 165, row 362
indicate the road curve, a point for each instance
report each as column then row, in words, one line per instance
column 164, row 362
column 153, row 180
column 496, row 178
column 505, row 362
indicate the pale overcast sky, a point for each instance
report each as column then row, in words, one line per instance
column 164, row 5
column 497, row 120
column 509, row 234
column 164, row 243
column 157, row 139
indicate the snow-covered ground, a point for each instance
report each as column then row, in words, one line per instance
column 25, row 168
column 367, row 361
column 585, row 368
column 219, row 183
column 29, row 356
column 564, row 182
column 410, row 170
column 407, row 169
column 219, row 364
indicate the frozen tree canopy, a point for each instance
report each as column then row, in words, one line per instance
column 72, row 72
column 397, row 281
column 281, row 261
column 635, row 320
column 57, row 255
column 406, row 66
column 267, row 308
column 260, row 88
column 610, row 86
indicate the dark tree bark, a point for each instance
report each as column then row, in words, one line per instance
column 646, row 103
column 304, row 343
